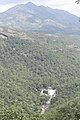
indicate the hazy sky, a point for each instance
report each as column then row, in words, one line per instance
column 68, row 5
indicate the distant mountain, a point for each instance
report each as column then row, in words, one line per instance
column 39, row 18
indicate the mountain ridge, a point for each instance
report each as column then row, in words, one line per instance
column 40, row 18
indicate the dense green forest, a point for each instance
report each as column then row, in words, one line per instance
column 34, row 62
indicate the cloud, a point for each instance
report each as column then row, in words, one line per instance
column 5, row 7
column 4, row 2
column 70, row 6
column 45, row 2
column 74, row 9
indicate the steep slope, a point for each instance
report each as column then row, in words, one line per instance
column 31, row 17
column 36, row 62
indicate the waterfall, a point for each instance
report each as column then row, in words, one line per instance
column 48, row 92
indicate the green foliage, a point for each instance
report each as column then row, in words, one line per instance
column 36, row 62
column 12, row 113
column 67, row 111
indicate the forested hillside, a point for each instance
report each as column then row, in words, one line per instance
column 36, row 61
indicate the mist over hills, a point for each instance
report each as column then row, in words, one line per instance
column 39, row 18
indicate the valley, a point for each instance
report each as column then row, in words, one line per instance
column 39, row 64
column 36, row 62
